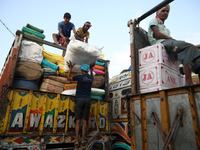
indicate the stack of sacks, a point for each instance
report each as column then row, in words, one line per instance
column 28, row 68
column 80, row 53
column 97, row 93
column 99, row 68
column 54, row 65
column 70, row 88
column 49, row 63
column 54, row 84
column 99, row 78
column 33, row 31
column 53, row 73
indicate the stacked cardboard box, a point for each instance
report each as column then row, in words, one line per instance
column 157, row 71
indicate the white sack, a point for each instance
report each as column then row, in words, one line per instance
column 30, row 51
column 71, row 92
column 80, row 53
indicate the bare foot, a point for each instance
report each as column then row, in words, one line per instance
column 55, row 42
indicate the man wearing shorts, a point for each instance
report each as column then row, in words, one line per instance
column 83, row 99
column 64, row 28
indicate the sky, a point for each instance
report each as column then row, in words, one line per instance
column 109, row 23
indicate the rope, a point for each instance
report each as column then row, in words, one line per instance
column 7, row 28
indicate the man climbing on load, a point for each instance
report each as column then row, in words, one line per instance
column 83, row 100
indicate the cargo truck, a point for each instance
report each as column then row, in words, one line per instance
column 155, row 118
column 35, row 120
column 163, row 119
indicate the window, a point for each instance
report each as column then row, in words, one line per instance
column 126, row 91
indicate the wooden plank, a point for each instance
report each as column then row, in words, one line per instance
column 144, row 124
column 194, row 117
column 26, row 36
column 132, row 121
column 165, row 114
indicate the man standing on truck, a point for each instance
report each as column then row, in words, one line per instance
column 83, row 99
column 64, row 28
column 82, row 33
column 186, row 53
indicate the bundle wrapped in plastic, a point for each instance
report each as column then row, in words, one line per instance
column 30, row 51
column 80, row 53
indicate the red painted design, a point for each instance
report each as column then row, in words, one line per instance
column 19, row 140
column 58, row 139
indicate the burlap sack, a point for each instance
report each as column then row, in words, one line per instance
column 98, row 81
column 28, row 70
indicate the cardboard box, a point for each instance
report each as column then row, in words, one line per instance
column 158, row 75
column 156, row 54
column 49, row 85
column 156, row 88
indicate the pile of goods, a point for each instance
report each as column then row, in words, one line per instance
column 38, row 69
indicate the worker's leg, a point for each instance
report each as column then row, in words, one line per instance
column 64, row 51
column 78, row 115
column 54, row 35
column 188, row 76
column 77, row 126
column 84, row 128
column 86, row 111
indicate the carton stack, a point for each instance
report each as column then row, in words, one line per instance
column 157, row 71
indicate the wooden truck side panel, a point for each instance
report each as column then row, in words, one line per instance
column 166, row 104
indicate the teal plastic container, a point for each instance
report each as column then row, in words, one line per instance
column 35, row 28
column 31, row 31
column 100, row 63
column 47, row 64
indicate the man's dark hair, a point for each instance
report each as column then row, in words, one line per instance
column 88, row 22
column 67, row 15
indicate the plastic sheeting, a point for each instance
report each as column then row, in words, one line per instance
column 30, row 51
column 80, row 53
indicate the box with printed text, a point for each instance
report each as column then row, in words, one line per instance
column 158, row 75
column 156, row 54
column 152, row 89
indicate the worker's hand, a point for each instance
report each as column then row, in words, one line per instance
column 66, row 39
column 70, row 65
column 92, row 66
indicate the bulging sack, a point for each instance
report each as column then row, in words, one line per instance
column 80, row 53
column 30, row 51
column 28, row 70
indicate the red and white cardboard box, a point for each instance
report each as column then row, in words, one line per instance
column 182, row 80
column 155, row 88
column 156, row 54
column 158, row 75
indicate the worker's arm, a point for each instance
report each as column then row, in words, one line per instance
column 62, row 35
column 158, row 35
column 74, row 30
column 86, row 40
column 91, row 68
column 70, row 65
